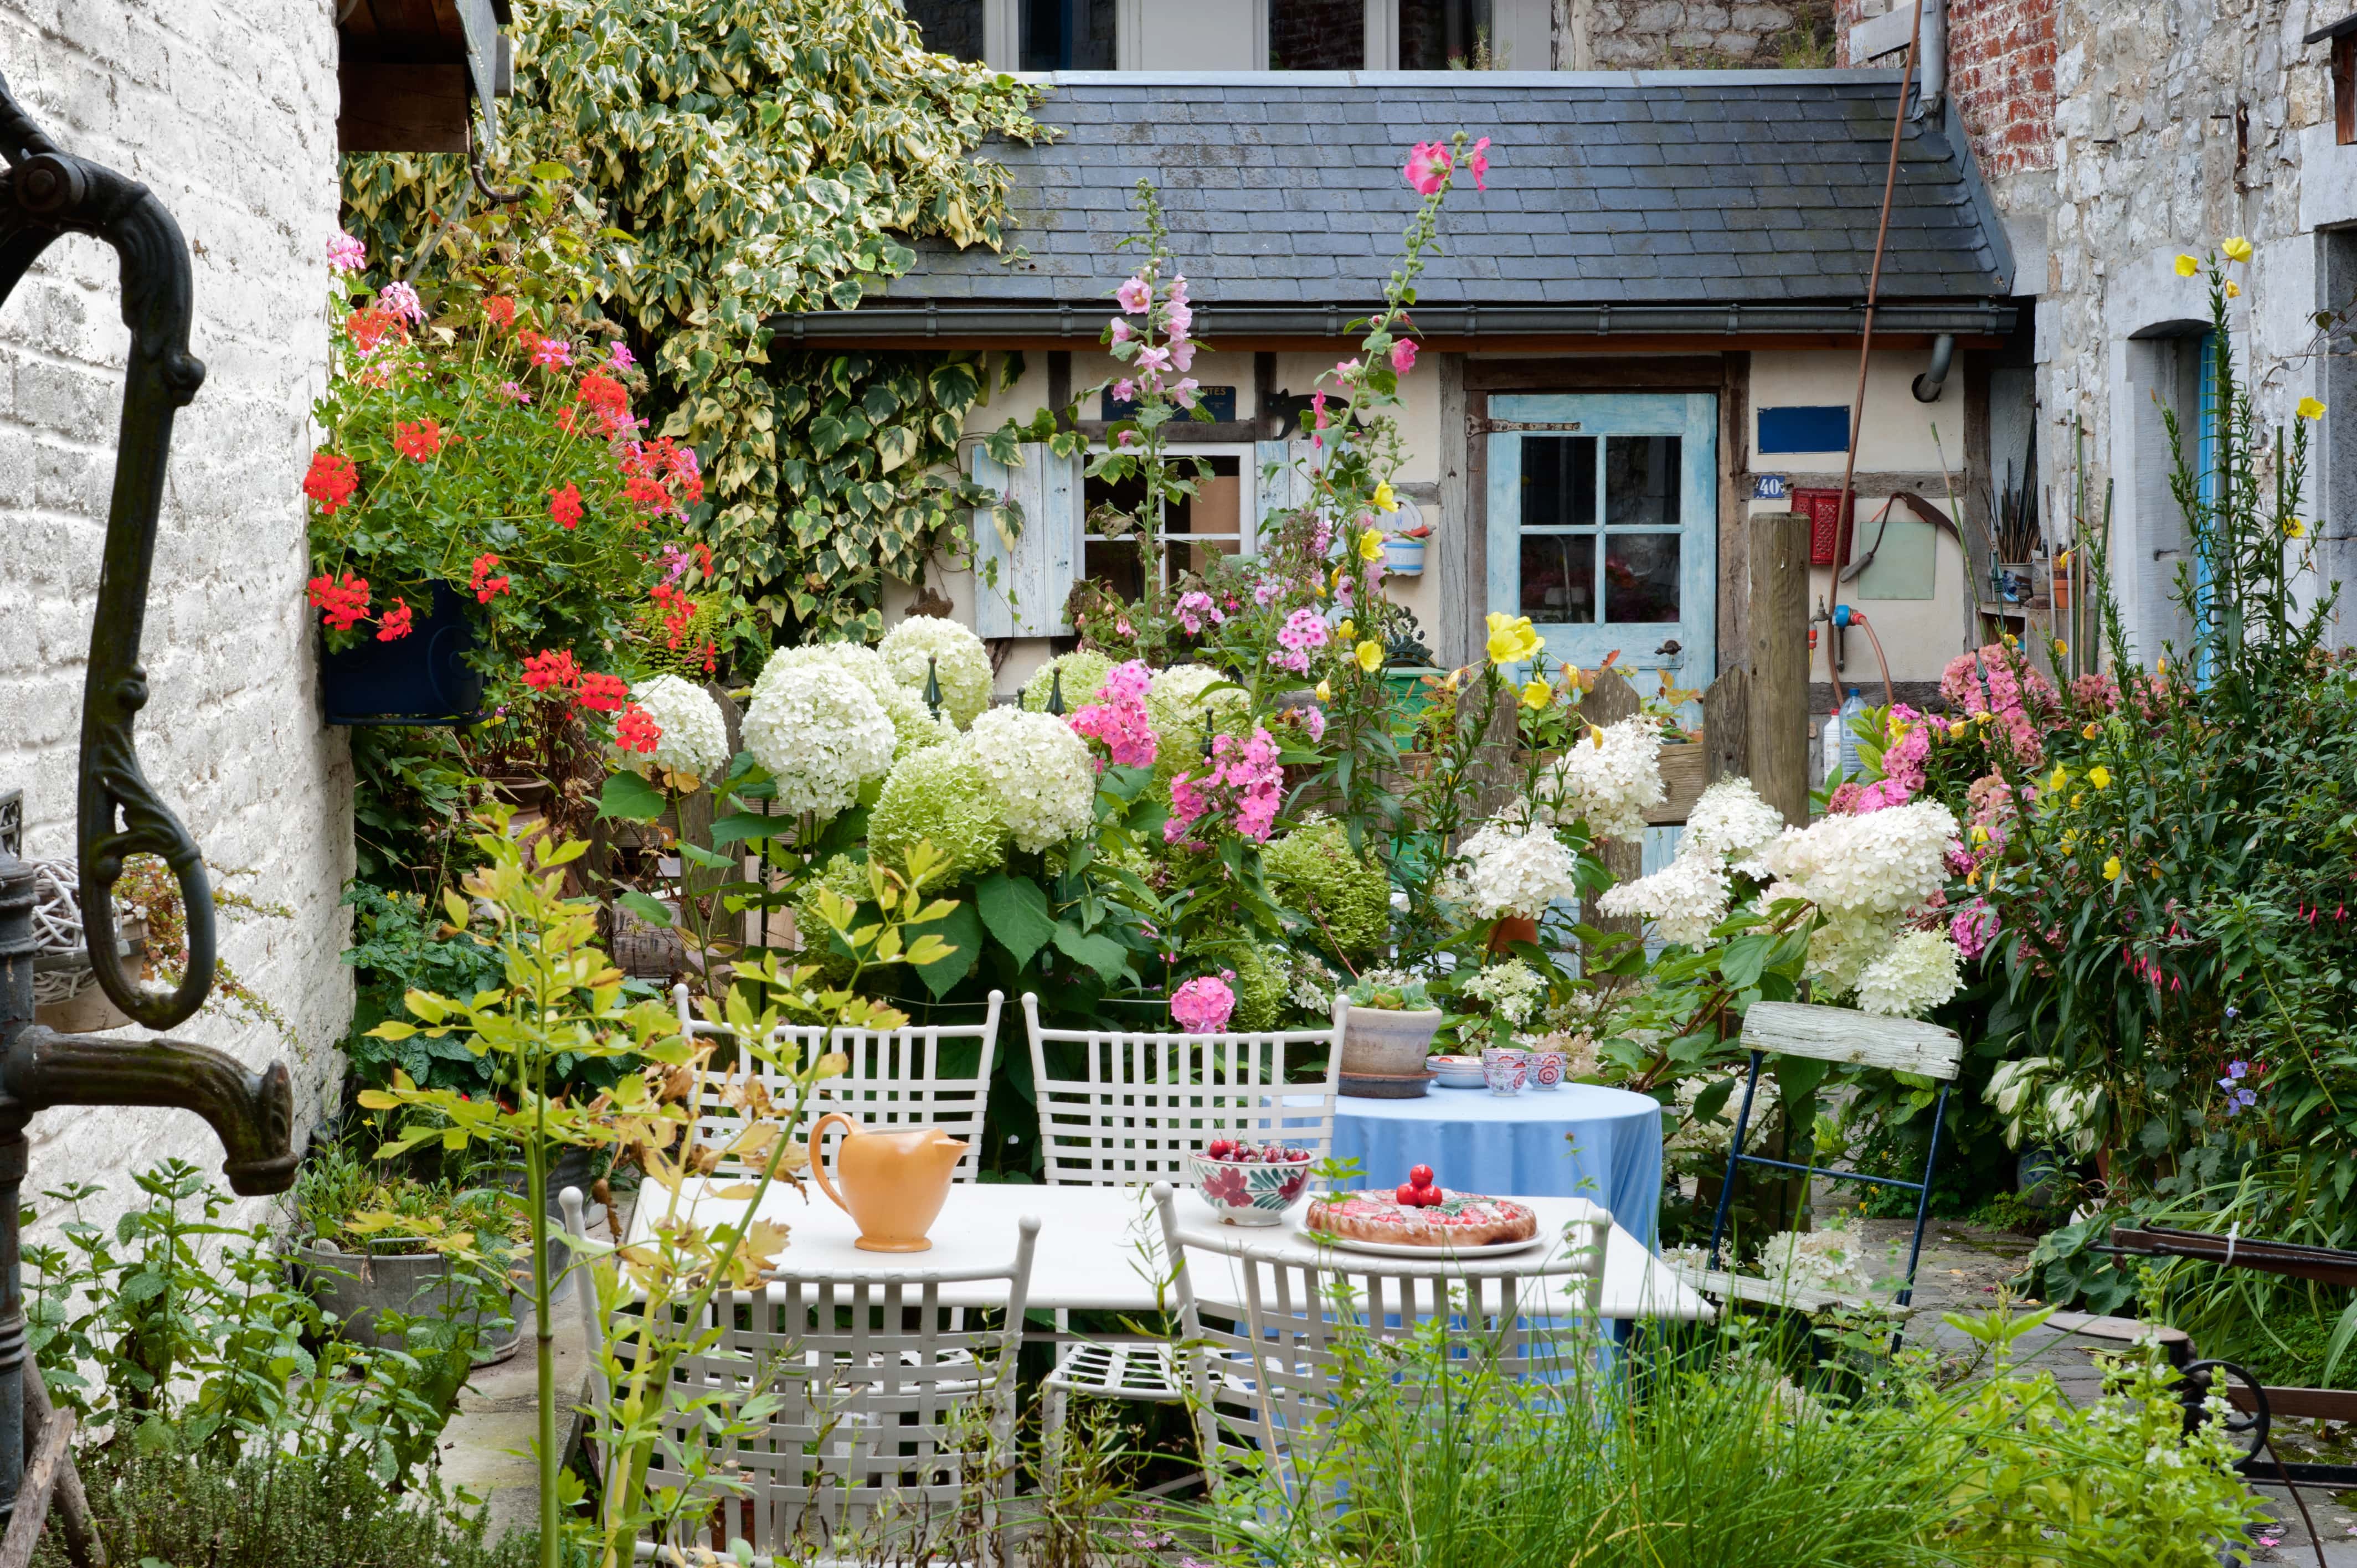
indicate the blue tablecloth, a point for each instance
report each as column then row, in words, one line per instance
column 1579, row 1141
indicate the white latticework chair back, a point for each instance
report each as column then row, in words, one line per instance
column 1120, row 1107
column 1315, row 1332
column 929, row 1075
column 892, row 1430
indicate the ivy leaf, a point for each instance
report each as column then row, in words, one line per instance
column 894, row 444
column 1015, row 910
column 630, row 798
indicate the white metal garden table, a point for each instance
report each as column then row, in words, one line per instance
column 1093, row 1250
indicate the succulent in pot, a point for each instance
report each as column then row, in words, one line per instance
column 1390, row 1026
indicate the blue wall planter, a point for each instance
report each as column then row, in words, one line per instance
column 423, row 678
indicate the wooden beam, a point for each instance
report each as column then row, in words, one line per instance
column 1840, row 1035
column 1777, row 619
column 47, row 1462
column 401, row 108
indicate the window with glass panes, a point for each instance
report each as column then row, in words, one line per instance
column 1599, row 529
column 1443, row 35
column 1217, row 520
column 1066, row 35
column 953, row 27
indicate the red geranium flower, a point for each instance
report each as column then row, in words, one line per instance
column 498, row 310
column 678, row 610
column 605, row 694
column 565, row 506
column 368, row 326
column 637, row 731
column 486, row 588
column 417, row 440
column 551, row 670
column 394, row 623
column 604, row 394
column 343, row 601
column 331, row 481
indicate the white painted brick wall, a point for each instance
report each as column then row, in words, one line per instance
column 226, row 109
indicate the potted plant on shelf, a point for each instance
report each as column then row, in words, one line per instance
column 1386, row 1035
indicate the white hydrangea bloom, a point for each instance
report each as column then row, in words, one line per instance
column 820, row 733
column 1684, row 900
column 1176, row 709
column 1041, row 769
column 956, row 654
column 1511, row 988
column 1515, row 871
column 1833, row 1259
column 695, row 736
column 1729, row 822
column 1911, row 976
column 1841, row 947
column 1885, row 862
column 1610, row 777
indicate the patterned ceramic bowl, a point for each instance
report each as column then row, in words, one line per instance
column 1507, row 1068
column 1250, row 1193
column 1546, row 1070
column 1458, row 1071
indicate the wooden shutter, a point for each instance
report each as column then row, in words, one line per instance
column 1019, row 589
column 1290, row 489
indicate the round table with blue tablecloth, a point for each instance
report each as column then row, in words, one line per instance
column 1579, row 1141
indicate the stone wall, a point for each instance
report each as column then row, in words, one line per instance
column 226, row 110
column 1637, row 35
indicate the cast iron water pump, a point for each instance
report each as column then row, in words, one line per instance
column 45, row 193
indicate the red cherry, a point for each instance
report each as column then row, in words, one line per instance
column 1219, row 1149
column 1408, row 1196
column 1420, row 1177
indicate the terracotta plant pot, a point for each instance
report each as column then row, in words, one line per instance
column 1511, row 930
column 1381, row 1042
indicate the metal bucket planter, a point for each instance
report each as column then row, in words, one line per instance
column 358, row 1287
column 421, row 679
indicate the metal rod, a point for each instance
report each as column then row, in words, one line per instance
column 1734, row 1158
column 1831, row 1174
column 1923, row 1205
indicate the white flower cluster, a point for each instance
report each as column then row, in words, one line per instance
column 1684, row 900
column 1882, row 863
column 695, row 736
column 1829, row 1260
column 820, row 733
column 1514, row 871
column 1176, row 709
column 1610, row 777
column 1041, row 769
column 1309, row 985
column 1910, row 977
column 1729, row 822
column 1513, row 989
column 913, row 725
column 954, row 653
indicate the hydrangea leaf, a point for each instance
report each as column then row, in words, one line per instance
column 629, row 797
column 1015, row 910
column 962, row 928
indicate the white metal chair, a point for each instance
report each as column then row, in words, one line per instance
column 1119, row 1109
column 896, row 1079
column 883, row 1440
column 1307, row 1314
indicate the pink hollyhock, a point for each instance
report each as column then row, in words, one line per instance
column 1404, row 355
column 1120, row 330
column 1135, row 296
column 1477, row 158
column 1125, row 391
column 1182, row 355
column 1183, row 394
column 1153, row 360
column 1179, row 320
column 1426, row 170
column 1178, row 289
column 1346, row 369
column 1204, row 1004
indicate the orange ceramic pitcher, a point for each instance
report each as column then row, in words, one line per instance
column 894, row 1184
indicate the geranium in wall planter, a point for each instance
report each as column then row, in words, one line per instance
column 423, row 678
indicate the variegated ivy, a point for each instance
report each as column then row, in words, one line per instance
column 756, row 157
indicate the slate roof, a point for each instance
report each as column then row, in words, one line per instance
column 1604, row 189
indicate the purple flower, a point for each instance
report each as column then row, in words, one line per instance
column 2237, row 1068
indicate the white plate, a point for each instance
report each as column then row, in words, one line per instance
column 1404, row 1250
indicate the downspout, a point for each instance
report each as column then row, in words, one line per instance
column 1934, row 45
column 1944, row 353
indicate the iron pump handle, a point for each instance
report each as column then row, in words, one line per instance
column 45, row 193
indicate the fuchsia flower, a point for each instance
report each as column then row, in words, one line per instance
column 1204, row 1004
column 1135, row 296
column 1426, row 170
column 1117, row 718
column 1404, row 356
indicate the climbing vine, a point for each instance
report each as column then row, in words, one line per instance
column 753, row 158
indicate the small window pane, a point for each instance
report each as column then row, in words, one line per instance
column 1215, row 517
column 1068, row 35
column 1559, row 578
column 1641, row 577
column 1558, row 481
column 949, row 27
column 1194, row 529
column 1640, row 481
column 1447, row 35
column 1317, row 35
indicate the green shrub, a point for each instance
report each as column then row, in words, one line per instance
column 271, row 1510
column 1312, row 871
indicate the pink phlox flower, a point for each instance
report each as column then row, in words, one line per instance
column 1312, row 718
column 1135, row 296
column 1264, row 590
column 1404, row 355
column 346, row 253
column 1125, row 391
column 2097, row 689
column 1477, row 158
column 400, row 299
column 1294, row 659
column 1178, row 319
column 1322, row 537
column 1153, row 359
column 1120, row 330
column 1118, row 719
column 1975, row 927
column 1182, row 355
column 1880, row 795
column 1426, row 170
column 1195, row 607
column 1188, row 801
column 1304, row 629
column 620, row 356
column 1126, row 683
column 552, row 353
column 1203, row 1005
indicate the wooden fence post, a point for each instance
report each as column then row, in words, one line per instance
column 1777, row 728
column 1611, row 700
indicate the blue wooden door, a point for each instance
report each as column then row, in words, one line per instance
column 1603, row 527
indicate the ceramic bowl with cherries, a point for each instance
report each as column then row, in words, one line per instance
column 1251, row 1184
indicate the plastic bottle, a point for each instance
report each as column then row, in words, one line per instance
column 1852, row 706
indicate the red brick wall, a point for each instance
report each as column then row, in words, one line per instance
column 2001, row 72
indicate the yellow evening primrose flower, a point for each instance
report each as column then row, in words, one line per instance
column 2078, row 797
column 2070, row 841
column 1347, row 629
column 1956, row 731
column 2310, row 408
column 2237, row 249
column 1536, row 694
column 2100, row 776
column 1371, row 545
column 2161, row 664
column 2061, row 777
column 2234, row 289
column 2186, row 266
column 1325, row 691
column 2111, row 869
column 2061, row 648
column 1972, row 878
column 2294, row 528
column 1370, row 655
column 2091, row 729
column 1385, row 500
column 1980, row 834
column 1512, row 640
